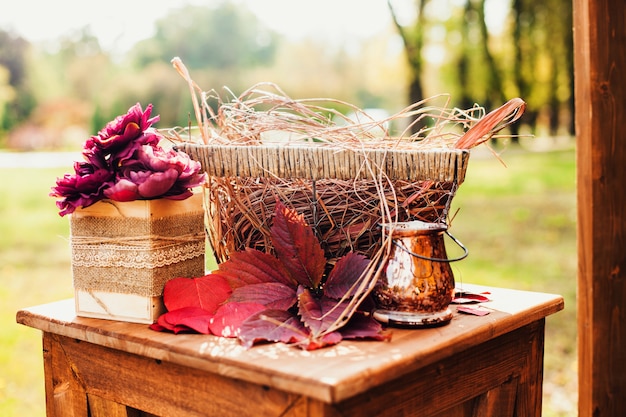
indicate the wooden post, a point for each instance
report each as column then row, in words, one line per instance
column 600, row 65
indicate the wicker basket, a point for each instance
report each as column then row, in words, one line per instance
column 344, row 187
column 343, row 194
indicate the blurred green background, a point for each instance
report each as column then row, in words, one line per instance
column 378, row 55
column 516, row 215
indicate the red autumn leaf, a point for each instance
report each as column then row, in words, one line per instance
column 228, row 318
column 362, row 326
column 297, row 247
column 252, row 266
column 346, row 272
column 327, row 339
column 474, row 311
column 191, row 318
column 162, row 326
column 272, row 326
column 318, row 314
column 206, row 292
column 465, row 297
column 252, row 294
column 157, row 327
column 272, row 295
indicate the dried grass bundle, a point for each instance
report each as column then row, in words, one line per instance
column 346, row 177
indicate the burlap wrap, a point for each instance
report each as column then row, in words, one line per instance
column 136, row 255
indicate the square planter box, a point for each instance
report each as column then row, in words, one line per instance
column 123, row 253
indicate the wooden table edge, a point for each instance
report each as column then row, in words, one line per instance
column 328, row 391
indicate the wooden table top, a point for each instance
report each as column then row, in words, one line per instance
column 330, row 374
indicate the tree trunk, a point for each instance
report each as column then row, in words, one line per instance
column 495, row 93
column 413, row 43
column 463, row 63
column 516, row 9
column 554, row 105
column 569, row 64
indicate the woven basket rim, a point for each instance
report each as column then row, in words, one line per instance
column 330, row 161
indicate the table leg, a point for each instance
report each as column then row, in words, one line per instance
column 530, row 389
column 65, row 395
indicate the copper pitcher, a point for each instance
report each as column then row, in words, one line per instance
column 416, row 284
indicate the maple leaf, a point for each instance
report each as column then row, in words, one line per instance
column 318, row 310
column 252, row 266
column 272, row 325
column 206, row 292
column 297, row 247
column 364, row 326
column 271, row 294
column 318, row 314
column 282, row 326
column 229, row 317
column 186, row 319
column 342, row 279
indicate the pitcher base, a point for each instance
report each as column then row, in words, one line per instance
column 410, row 319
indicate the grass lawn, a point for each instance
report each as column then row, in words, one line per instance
column 518, row 223
column 34, row 269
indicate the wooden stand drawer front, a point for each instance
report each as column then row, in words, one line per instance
column 487, row 380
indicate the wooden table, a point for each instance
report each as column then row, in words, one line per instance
column 475, row 366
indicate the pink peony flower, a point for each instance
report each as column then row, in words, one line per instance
column 123, row 130
column 125, row 162
column 156, row 173
column 81, row 189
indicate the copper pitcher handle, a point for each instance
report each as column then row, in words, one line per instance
column 427, row 258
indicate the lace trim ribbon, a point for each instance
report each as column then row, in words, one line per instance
column 141, row 252
column 136, row 254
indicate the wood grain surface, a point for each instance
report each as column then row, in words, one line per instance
column 329, row 375
column 600, row 91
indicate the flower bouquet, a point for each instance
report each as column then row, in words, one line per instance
column 135, row 222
